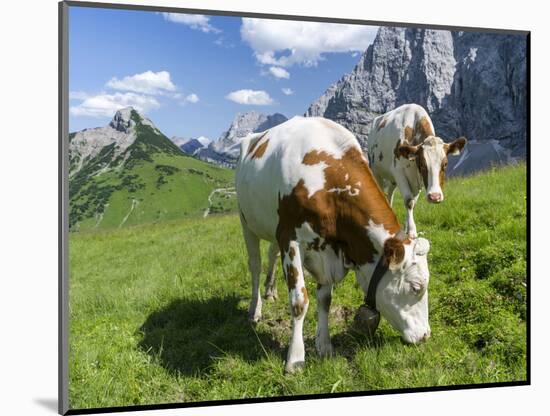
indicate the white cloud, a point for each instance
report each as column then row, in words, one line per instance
column 105, row 105
column 287, row 91
column 194, row 21
column 279, row 72
column 192, row 98
column 77, row 95
column 285, row 42
column 148, row 82
column 250, row 97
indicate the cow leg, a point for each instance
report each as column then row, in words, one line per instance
column 322, row 339
column 254, row 265
column 389, row 190
column 411, row 226
column 270, row 284
column 409, row 200
column 298, row 299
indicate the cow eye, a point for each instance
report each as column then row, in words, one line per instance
column 416, row 287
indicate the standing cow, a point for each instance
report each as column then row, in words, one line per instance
column 404, row 151
column 306, row 186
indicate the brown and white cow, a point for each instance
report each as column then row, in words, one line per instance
column 404, row 151
column 306, row 186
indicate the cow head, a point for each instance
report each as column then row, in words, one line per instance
column 402, row 294
column 431, row 160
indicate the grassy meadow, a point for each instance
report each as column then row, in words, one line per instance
column 152, row 182
column 158, row 312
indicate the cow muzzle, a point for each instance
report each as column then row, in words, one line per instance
column 415, row 340
column 435, row 197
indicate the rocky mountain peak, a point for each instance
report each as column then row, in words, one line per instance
column 242, row 124
column 471, row 84
column 226, row 149
column 246, row 123
column 122, row 120
column 113, row 142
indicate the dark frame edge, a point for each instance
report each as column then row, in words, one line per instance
column 63, row 241
column 63, row 319
column 166, row 406
column 237, row 13
column 528, row 200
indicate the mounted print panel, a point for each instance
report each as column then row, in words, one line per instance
column 264, row 208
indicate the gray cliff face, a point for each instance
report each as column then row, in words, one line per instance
column 242, row 124
column 225, row 150
column 86, row 145
column 472, row 84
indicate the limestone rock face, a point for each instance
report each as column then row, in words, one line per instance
column 99, row 149
column 471, row 84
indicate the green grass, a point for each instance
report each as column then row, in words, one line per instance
column 158, row 312
column 156, row 183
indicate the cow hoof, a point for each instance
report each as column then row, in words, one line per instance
column 324, row 349
column 253, row 318
column 271, row 296
column 295, row 367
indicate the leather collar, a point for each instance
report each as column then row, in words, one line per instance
column 379, row 271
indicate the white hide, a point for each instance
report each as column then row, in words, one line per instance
column 261, row 183
column 402, row 295
column 384, row 142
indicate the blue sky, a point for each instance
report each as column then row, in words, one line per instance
column 191, row 74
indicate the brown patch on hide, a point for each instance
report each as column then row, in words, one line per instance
column 422, row 166
column 259, row 152
column 291, row 253
column 408, row 135
column 394, row 251
column 304, row 293
column 339, row 218
column 291, row 274
column 422, row 130
column 442, row 173
column 253, row 143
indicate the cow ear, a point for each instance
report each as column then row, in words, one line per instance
column 408, row 151
column 455, row 147
column 421, row 246
column 394, row 251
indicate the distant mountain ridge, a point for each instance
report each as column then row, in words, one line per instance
column 128, row 172
column 472, row 84
column 225, row 150
column 191, row 146
column 117, row 143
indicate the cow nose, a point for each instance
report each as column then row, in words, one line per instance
column 427, row 335
column 434, row 197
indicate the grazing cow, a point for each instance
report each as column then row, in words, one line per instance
column 404, row 151
column 306, row 186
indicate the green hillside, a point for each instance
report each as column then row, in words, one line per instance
column 151, row 181
column 158, row 311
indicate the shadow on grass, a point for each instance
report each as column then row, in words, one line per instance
column 347, row 342
column 188, row 335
